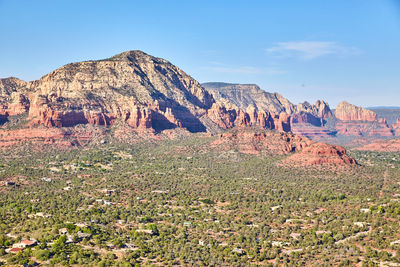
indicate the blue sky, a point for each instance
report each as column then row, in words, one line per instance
column 305, row 50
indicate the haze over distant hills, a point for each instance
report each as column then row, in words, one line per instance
column 391, row 114
column 383, row 107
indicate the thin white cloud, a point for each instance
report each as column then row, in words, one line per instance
column 310, row 49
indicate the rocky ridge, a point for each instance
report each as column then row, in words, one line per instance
column 143, row 91
column 149, row 93
column 257, row 107
column 348, row 112
column 382, row 146
column 358, row 121
column 244, row 96
column 134, row 91
column 302, row 151
column 321, row 154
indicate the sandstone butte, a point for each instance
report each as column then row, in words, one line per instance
column 358, row 121
column 256, row 102
column 150, row 93
column 396, row 128
column 146, row 94
column 305, row 119
column 302, row 151
column 321, row 154
column 382, row 146
column 348, row 112
column 143, row 91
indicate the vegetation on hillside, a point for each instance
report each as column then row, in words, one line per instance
column 175, row 202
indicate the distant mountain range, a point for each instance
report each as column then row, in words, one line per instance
column 391, row 114
column 146, row 93
column 383, row 107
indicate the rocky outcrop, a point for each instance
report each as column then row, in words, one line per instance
column 321, row 154
column 256, row 107
column 315, row 115
column 144, row 91
column 13, row 101
column 320, row 109
column 348, row 112
column 37, row 136
column 305, row 117
column 396, row 128
column 263, row 108
column 282, row 122
column 149, row 94
column 8, row 86
column 378, row 128
column 248, row 105
column 351, row 129
column 301, row 151
column 243, row 96
column 311, row 131
column 360, row 122
column 229, row 117
column 41, row 136
column 382, row 146
column 250, row 141
column 381, row 129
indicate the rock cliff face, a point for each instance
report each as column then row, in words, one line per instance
column 348, row 112
column 258, row 141
column 302, row 151
column 149, row 94
column 228, row 117
column 138, row 95
column 9, row 86
column 316, row 114
column 273, row 111
column 382, row 146
column 144, row 91
column 248, row 105
column 317, row 133
column 12, row 100
column 396, row 128
column 243, row 96
column 320, row 109
column 358, row 121
column 321, row 154
column 263, row 108
column 365, row 129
